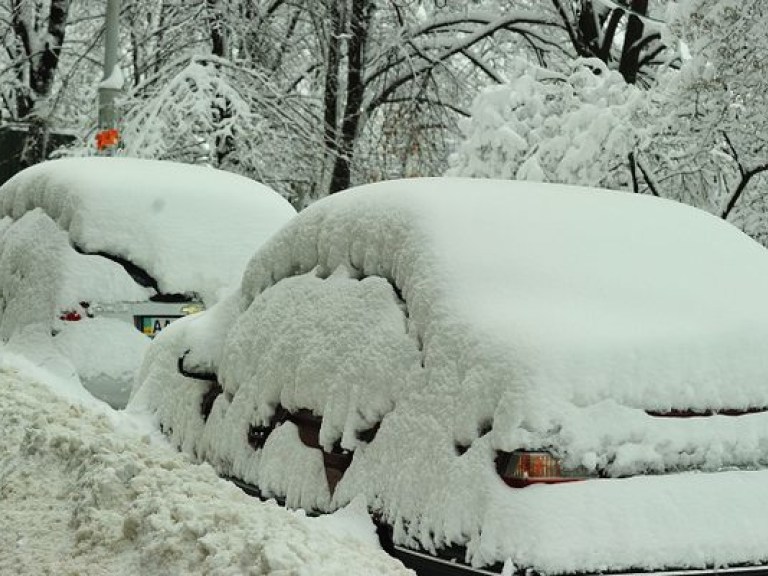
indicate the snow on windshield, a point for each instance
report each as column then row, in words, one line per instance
column 192, row 228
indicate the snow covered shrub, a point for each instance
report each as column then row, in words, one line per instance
column 573, row 128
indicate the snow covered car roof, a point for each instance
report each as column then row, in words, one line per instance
column 580, row 294
column 192, row 228
column 432, row 324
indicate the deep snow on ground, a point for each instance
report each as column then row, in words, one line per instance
column 86, row 490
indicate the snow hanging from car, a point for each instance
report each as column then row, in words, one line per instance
column 84, row 489
column 515, row 316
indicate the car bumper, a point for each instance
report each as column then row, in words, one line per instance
column 425, row 564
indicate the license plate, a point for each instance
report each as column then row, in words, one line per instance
column 151, row 325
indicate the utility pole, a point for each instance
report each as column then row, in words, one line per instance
column 107, row 138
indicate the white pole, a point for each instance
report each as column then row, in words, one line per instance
column 107, row 89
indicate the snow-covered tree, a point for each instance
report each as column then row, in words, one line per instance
column 33, row 44
column 625, row 34
column 346, row 90
column 579, row 127
column 711, row 147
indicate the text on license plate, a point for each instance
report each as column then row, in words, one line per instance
column 151, row 325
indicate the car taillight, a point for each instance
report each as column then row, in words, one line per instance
column 70, row 316
column 520, row 468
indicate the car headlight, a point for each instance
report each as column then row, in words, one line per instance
column 193, row 308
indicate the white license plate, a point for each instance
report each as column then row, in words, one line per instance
column 151, row 325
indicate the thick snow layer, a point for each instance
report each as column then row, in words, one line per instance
column 488, row 315
column 192, row 228
column 87, row 490
column 590, row 295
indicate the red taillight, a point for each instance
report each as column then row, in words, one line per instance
column 537, row 465
column 519, row 469
column 75, row 314
column 71, row 316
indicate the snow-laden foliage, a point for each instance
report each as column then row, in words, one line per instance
column 183, row 115
column 573, row 128
column 709, row 149
column 210, row 110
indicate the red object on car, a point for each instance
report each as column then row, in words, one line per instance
column 71, row 316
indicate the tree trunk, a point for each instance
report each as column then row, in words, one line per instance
column 224, row 144
column 331, row 90
column 35, row 148
column 358, row 35
column 42, row 49
column 629, row 65
column 216, row 26
column 589, row 44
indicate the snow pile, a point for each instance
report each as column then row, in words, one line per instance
column 87, row 491
column 575, row 128
column 192, row 228
column 470, row 316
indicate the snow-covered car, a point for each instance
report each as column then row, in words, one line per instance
column 515, row 376
column 93, row 248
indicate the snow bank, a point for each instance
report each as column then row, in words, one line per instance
column 470, row 316
column 82, row 494
column 192, row 228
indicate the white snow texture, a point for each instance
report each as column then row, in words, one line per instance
column 86, row 490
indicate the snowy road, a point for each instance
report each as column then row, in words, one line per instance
column 86, row 490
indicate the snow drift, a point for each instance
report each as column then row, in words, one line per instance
column 86, row 490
